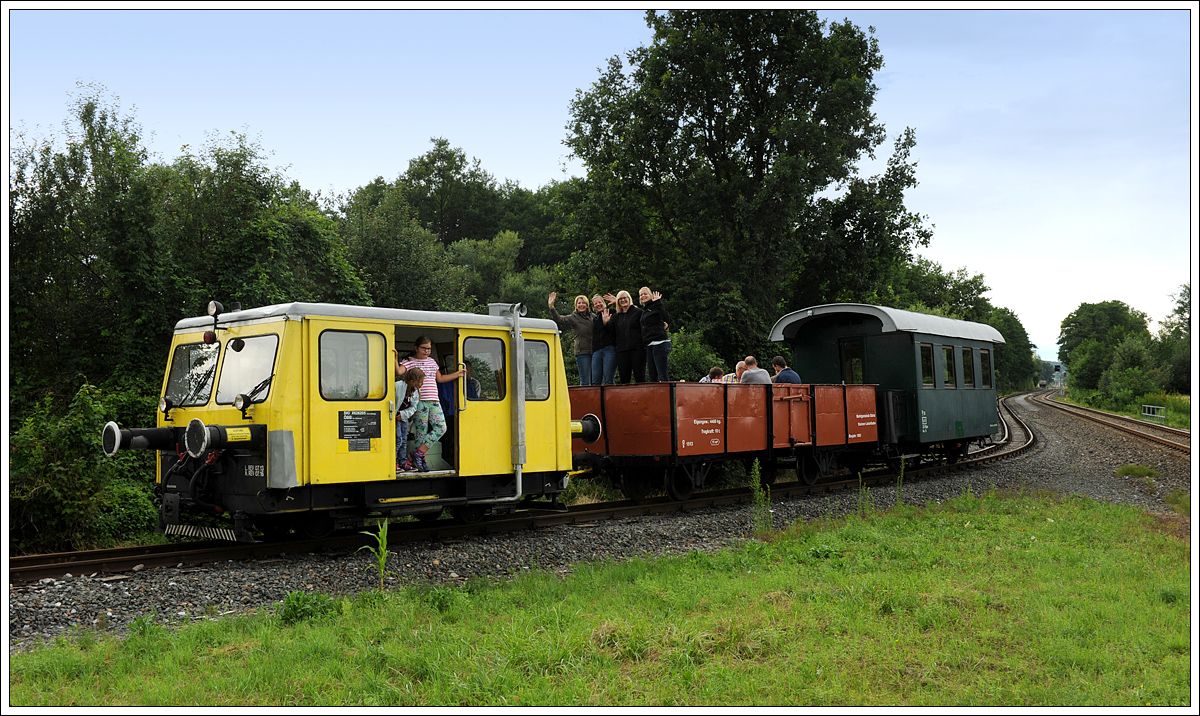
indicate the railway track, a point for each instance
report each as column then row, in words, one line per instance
column 114, row 562
column 1170, row 437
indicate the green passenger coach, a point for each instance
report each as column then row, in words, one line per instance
column 935, row 375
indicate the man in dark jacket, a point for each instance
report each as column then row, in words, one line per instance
column 783, row 374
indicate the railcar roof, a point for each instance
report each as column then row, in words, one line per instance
column 893, row 319
column 297, row 311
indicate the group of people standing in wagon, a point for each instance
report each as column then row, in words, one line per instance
column 629, row 341
column 623, row 342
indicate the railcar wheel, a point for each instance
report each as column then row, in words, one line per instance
column 634, row 485
column 274, row 527
column 429, row 516
column 807, row 469
column 469, row 514
column 679, row 484
column 317, row 525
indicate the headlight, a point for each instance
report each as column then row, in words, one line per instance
column 241, row 402
column 165, row 405
column 215, row 307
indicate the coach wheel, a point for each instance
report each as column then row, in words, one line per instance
column 634, row 486
column 317, row 525
column 954, row 453
column 679, row 484
column 807, row 469
column 469, row 514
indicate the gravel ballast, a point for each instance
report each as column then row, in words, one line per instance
column 1072, row 458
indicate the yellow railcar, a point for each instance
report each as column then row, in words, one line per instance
column 284, row 417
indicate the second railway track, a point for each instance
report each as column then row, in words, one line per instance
column 1173, row 438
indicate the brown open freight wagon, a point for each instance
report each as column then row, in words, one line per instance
column 671, row 434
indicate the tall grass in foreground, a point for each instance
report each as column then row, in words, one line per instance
column 1017, row 601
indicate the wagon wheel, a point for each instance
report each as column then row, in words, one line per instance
column 807, row 469
column 853, row 462
column 767, row 473
column 679, row 484
column 469, row 514
column 633, row 485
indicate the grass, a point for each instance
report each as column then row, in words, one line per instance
column 982, row 600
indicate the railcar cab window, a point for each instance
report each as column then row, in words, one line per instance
column 985, row 368
column 537, row 370
column 193, row 366
column 248, row 366
column 968, row 368
column 948, row 380
column 927, row 365
column 485, row 359
column 353, row 365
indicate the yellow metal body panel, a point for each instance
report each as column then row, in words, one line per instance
column 349, row 439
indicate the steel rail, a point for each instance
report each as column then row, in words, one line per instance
column 31, row 568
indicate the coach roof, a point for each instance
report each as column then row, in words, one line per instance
column 893, row 319
column 298, row 311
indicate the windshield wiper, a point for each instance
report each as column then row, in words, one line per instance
column 259, row 388
column 196, row 390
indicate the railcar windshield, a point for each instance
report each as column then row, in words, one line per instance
column 193, row 366
column 248, row 367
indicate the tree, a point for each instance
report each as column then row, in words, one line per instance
column 486, row 263
column 923, row 286
column 453, row 197
column 85, row 274
column 1173, row 346
column 1108, row 322
column 709, row 161
column 402, row 264
column 1016, row 366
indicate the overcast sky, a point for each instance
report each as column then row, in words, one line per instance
column 1053, row 146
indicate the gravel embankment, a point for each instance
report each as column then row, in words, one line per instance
column 1072, row 458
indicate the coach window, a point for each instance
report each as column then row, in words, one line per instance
column 985, row 368
column 485, row 359
column 537, row 370
column 968, row 368
column 352, row 365
column 948, row 367
column 852, row 362
column 927, row 365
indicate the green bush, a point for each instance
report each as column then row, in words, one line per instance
column 304, row 606
column 690, row 358
column 123, row 508
column 1123, row 387
column 64, row 492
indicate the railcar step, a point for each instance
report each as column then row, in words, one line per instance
column 401, row 475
